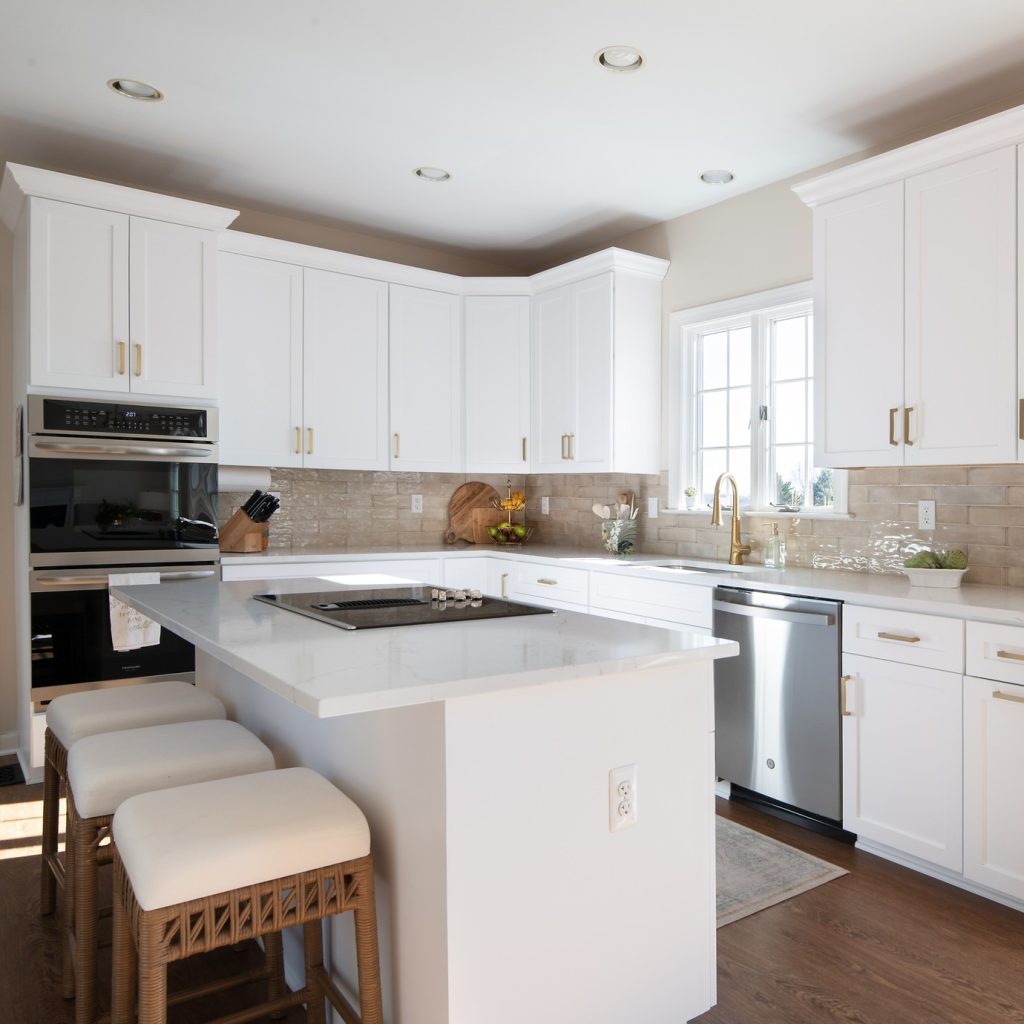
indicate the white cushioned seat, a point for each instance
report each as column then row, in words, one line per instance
column 77, row 715
column 108, row 768
column 195, row 841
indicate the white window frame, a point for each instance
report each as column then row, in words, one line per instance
column 685, row 326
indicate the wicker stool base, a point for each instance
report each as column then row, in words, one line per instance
column 55, row 770
column 146, row 941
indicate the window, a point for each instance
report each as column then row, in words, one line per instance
column 743, row 403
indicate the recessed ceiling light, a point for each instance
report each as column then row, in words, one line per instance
column 135, row 90
column 717, row 177
column 432, row 173
column 620, row 58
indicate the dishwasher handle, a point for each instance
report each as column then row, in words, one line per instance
column 757, row 612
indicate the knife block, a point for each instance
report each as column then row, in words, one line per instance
column 242, row 535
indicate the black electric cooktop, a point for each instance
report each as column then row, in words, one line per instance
column 397, row 606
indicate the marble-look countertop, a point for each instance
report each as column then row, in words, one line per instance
column 330, row 671
column 885, row 590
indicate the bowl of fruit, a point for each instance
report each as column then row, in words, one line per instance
column 509, row 533
column 936, row 568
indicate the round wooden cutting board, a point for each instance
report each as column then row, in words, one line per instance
column 467, row 497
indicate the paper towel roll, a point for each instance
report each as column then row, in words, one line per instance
column 243, row 478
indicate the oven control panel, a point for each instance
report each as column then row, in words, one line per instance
column 71, row 416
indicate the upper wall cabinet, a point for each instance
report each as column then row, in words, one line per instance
column 118, row 291
column 597, row 366
column 915, row 265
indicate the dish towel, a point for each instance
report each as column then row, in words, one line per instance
column 130, row 629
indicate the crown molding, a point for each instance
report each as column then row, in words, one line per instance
column 598, row 263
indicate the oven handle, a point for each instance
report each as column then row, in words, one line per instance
column 101, row 581
column 72, row 448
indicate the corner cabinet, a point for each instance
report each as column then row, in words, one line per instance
column 916, row 307
column 115, row 288
column 597, row 366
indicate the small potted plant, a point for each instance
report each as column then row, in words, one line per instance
column 691, row 497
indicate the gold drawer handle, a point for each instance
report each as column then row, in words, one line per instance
column 398, row 446
column 906, row 425
column 504, row 584
column 138, row 359
column 524, row 449
column 999, row 695
column 121, row 356
column 547, row 582
column 309, row 440
column 902, row 639
column 298, row 440
column 846, row 712
column 892, row 426
column 1010, row 655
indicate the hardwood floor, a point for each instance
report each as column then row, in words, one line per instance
column 882, row 945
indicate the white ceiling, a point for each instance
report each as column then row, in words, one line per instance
column 322, row 108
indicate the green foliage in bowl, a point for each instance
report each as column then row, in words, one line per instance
column 953, row 559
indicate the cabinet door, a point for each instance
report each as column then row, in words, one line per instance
column 590, row 448
column 554, row 382
column 78, row 297
column 903, row 758
column 497, row 383
column 345, row 372
column 426, row 380
column 172, row 309
column 260, row 353
column 993, row 798
column 858, row 329
column 961, row 327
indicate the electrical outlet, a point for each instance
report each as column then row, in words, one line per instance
column 417, row 503
column 652, row 508
column 622, row 798
column 545, row 506
column 926, row 515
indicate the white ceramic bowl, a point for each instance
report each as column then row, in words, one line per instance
column 935, row 577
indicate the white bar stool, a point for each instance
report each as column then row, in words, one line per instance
column 209, row 865
column 77, row 715
column 103, row 771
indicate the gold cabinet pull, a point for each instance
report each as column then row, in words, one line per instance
column 1010, row 655
column 504, row 584
column 565, row 437
column 892, row 425
column 1020, row 419
column 524, row 449
column 999, row 695
column 309, row 440
column 138, row 360
column 122, row 353
column 398, row 446
column 899, row 636
column 547, row 582
column 572, row 446
column 906, row 425
column 843, row 682
column 298, row 440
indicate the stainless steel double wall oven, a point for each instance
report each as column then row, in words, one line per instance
column 113, row 487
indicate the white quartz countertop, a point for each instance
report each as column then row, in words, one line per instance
column 330, row 671
column 885, row 590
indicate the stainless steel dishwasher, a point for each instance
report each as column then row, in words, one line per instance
column 777, row 713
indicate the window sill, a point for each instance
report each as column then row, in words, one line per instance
column 705, row 513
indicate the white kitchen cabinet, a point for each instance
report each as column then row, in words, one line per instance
column 903, row 758
column 660, row 602
column 425, row 380
column 497, row 383
column 411, row 570
column 491, row 576
column 550, row 584
column 260, row 345
column 345, row 371
column 596, row 371
column 120, row 303
column 993, row 796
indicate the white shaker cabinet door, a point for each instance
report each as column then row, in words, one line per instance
column 426, row 380
column 260, row 352
column 172, row 309
column 961, row 326
column 497, row 340
column 78, row 296
column 858, row 329
column 591, row 445
column 345, row 372
column 903, row 758
column 993, row 796
column 554, row 382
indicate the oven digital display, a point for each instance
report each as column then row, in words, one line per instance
column 112, row 418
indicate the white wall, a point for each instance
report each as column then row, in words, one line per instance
column 8, row 671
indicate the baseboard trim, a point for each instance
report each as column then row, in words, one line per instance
column 9, row 742
column 32, row 775
column 939, row 873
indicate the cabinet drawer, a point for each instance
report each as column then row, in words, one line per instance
column 995, row 652
column 927, row 640
column 554, row 583
column 422, row 570
column 657, row 599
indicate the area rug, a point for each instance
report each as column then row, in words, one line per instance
column 755, row 872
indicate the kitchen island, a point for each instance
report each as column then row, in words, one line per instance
column 481, row 754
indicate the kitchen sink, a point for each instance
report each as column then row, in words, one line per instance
column 701, row 567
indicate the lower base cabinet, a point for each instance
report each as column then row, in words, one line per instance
column 993, row 790
column 903, row 758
